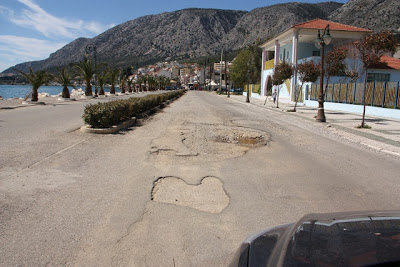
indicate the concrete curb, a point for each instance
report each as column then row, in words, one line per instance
column 111, row 130
column 62, row 99
column 33, row 103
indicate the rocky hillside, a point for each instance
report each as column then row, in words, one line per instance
column 376, row 15
column 193, row 33
column 171, row 35
column 266, row 22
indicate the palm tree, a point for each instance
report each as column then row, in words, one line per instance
column 164, row 81
column 64, row 78
column 86, row 70
column 129, row 82
column 144, row 80
column 151, row 81
column 122, row 83
column 160, row 81
column 102, row 79
column 139, row 81
column 113, row 75
column 36, row 79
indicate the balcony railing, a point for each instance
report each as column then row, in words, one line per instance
column 269, row 64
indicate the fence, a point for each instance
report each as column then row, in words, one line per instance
column 377, row 94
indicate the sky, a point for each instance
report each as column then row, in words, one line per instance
column 33, row 29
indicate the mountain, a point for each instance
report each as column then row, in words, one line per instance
column 266, row 22
column 179, row 35
column 195, row 33
column 377, row 15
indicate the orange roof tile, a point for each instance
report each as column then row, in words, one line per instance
column 333, row 26
column 393, row 63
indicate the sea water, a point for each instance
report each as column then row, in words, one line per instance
column 21, row 91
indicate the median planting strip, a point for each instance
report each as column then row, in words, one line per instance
column 111, row 117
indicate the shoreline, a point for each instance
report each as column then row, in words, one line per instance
column 47, row 99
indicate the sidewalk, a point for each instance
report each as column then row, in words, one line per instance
column 384, row 135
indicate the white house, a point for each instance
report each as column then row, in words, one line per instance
column 297, row 45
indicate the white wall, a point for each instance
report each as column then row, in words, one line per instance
column 284, row 92
column 373, row 111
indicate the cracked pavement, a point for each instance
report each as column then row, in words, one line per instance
column 180, row 188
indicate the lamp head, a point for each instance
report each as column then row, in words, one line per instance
column 327, row 36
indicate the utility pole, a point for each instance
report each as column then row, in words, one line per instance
column 226, row 75
column 211, row 71
column 220, row 73
column 204, row 76
column 248, row 82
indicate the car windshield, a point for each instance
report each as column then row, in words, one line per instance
column 349, row 242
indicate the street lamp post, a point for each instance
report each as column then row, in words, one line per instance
column 220, row 73
column 320, row 42
column 92, row 48
column 226, row 76
column 248, row 81
column 204, row 72
column 210, row 62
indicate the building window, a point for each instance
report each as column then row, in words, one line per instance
column 378, row 77
column 316, row 53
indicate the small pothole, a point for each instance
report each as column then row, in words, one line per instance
column 208, row 196
column 243, row 138
column 251, row 141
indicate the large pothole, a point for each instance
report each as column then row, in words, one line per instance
column 248, row 138
column 208, row 196
column 196, row 142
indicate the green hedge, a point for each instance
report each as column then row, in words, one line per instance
column 103, row 115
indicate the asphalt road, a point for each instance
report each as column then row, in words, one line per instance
column 182, row 188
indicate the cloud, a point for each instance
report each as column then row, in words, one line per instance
column 16, row 49
column 34, row 17
column 5, row 11
column 56, row 33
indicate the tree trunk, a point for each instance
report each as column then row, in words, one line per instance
column 101, row 91
column 35, row 96
column 295, row 101
column 65, row 92
column 88, row 89
column 365, row 87
column 277, row 97
column 112, row 89
column 297, row 96
column 248, row 94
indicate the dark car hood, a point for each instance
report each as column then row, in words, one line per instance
column 331, row 239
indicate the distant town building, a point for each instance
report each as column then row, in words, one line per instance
column 165, row 73
column 175, row 72
column 185, row 71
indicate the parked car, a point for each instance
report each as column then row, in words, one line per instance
column 169, row 88
column 237, row 90
column 331, row 239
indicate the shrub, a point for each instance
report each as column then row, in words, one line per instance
column 103, row 115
